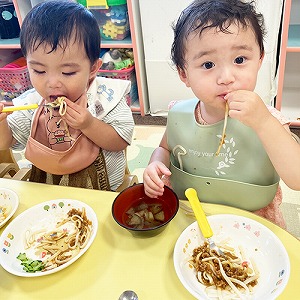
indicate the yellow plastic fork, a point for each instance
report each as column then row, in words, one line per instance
column 23, row 107
column 204, row 226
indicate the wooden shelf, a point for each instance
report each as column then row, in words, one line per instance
column 126, row 43
column 293, row 44
column 9, row 43
column 288, row 101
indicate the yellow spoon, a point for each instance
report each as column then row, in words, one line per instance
column 204, row 226
column 23, row 107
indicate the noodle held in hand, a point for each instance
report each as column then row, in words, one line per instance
column 61, row 103
column 58, row 102
column 222, row 140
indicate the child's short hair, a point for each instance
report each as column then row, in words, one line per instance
column 55, row 23
column 219, row 14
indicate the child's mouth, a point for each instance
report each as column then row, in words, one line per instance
column 222, row 95
column 54, row 97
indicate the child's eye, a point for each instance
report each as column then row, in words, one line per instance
column 38, row 72
column 68, row 73
column 208, row 65
column 240, row 60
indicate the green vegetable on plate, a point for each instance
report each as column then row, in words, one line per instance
column 30, row 265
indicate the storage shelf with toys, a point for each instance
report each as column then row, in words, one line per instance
column 119, row 63
column 120, row 30
column 289, row 65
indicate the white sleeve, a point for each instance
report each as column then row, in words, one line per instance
column 121, row 119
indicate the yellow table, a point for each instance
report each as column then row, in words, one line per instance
column 117, row 261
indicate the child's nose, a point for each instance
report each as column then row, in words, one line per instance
column 226, row 76
column 54, row 82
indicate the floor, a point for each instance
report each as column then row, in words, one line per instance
column 149, row 120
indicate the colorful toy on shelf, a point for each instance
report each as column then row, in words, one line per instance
column 117, row 59
column 126, row 53
column 113, row 21
column 118, row 15
column 9, row 25
column 114, row 32
column 110, row 58
column 124, row 64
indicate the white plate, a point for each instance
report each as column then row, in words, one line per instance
column 10, row 200
column 259, row 243
column 46, row 214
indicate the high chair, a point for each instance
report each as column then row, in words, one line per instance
column 9, row 167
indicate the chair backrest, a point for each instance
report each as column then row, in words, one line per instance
column 129, row 179
column 9, row 167
column 6, row 156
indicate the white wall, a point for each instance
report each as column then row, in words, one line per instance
column 162, row 79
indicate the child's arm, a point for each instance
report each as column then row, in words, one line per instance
column 283, row 150
column 104, row 135
column 157, row 168
column 6, row 138
column 101, row 133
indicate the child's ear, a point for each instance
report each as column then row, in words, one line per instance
column 95, row 67
column 183, row 77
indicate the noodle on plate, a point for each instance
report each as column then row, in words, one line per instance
column 64, row 242
column 230, row 276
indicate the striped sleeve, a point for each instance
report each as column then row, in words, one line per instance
column 120, row 118
column 20, row 125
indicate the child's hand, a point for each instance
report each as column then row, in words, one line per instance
column 153, row 184
column 247, row 107
column 3, row 115
column 76, row 116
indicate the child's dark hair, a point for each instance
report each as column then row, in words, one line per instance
column 55, row 23
column 219, row 14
